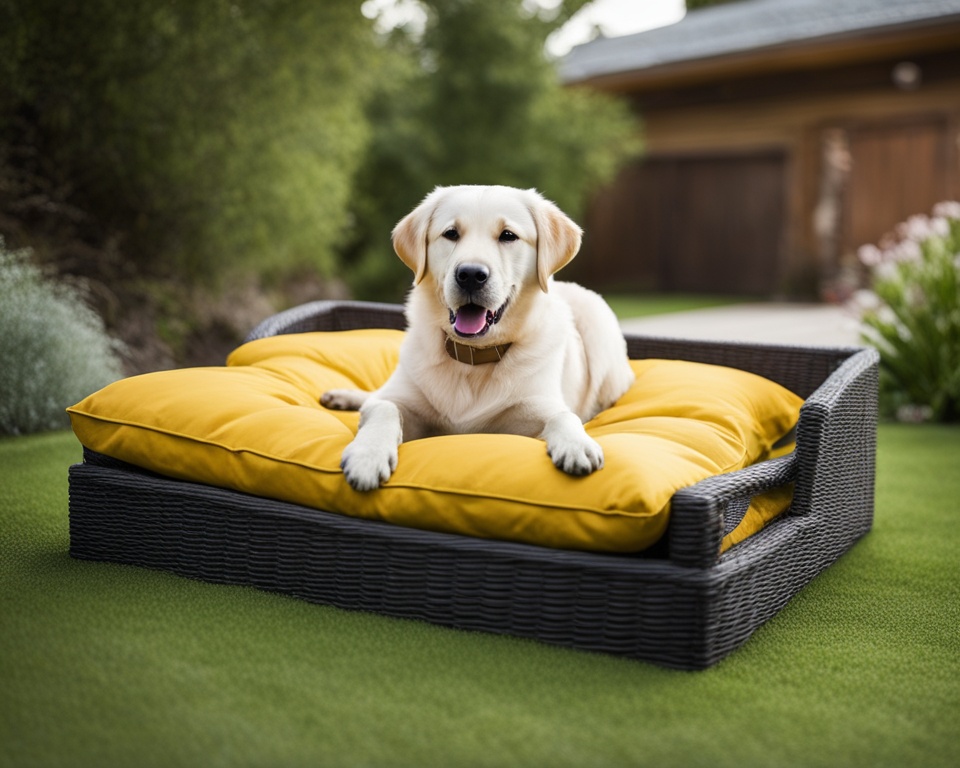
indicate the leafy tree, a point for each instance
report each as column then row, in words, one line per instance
column 187, row 139
column 193, row 136
column 475, row 100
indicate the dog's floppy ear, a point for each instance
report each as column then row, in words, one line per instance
column 410, row 236
column 558, row 238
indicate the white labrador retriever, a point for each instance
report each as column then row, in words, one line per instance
column 494, row 344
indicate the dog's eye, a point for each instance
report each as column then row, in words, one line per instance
column 507, row 236
column 452, row 234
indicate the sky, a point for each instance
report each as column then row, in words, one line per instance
column 612, row 17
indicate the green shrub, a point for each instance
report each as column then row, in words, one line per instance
column 911, row 314
column 53, row 348
column 202, row 137
column 475, row 100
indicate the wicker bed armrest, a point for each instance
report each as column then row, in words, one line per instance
column 701, row 514
column 837, row 441
column 833, row 467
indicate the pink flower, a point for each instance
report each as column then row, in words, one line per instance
column 916, row 229
column 940, row 226
column 886, row 270
column 870, row 255
column 908, row 250
column 948, row 209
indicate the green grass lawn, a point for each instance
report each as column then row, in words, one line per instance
column 108, row 665
column 639, row 305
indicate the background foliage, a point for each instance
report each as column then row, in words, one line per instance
column 190, row 140
column 911, row 313
column 201, row 164
column 472, row 99
column 53, row 348
column 183, row 137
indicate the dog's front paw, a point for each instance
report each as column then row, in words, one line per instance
column 343, row 399
column 368, row 467
column 576, row 456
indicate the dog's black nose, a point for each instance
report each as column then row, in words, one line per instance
column 471, row 277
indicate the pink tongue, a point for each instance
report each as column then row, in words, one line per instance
column 470, row 319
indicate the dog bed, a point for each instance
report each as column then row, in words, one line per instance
column 696, row 591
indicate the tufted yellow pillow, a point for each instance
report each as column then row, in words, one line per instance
column 256, row 426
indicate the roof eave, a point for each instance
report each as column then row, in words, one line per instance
column 866, row 45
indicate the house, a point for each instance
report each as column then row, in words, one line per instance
column 780, row 135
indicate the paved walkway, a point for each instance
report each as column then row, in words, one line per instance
column 801, row 324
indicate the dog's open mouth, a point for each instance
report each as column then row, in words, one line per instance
column 472, row 320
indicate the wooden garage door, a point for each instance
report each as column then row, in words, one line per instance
column 896, row 171
column 689, row 224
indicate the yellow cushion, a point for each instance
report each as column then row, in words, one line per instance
column 256, row 426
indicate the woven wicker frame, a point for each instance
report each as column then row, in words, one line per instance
column 680, row 605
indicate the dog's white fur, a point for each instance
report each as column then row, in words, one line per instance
column 567, row 360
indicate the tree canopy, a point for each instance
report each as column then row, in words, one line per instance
column 193, row 138
column 198, row 135
column 475, row 100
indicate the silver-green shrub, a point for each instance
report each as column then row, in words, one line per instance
column 53, row 348
column 911, row 314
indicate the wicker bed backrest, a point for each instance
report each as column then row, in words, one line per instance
column 330, row 316
column 800, row 369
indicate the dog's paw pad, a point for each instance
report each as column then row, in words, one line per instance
column 366, row 469
column 577, row 457
column 340, row 400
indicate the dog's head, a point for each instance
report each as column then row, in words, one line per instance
column 484, row 252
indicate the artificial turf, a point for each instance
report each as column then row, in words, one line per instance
column 108, row 665
column 632, row 305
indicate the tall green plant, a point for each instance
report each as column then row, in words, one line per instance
column 911, row 314
column 199, row 136
column 475, row 100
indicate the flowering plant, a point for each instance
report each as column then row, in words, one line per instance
column 911, row 314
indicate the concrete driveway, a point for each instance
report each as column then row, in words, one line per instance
column 795, row 324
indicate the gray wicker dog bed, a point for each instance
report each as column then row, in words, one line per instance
column 681, row 604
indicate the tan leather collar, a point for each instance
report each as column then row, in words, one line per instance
column 463, row 353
